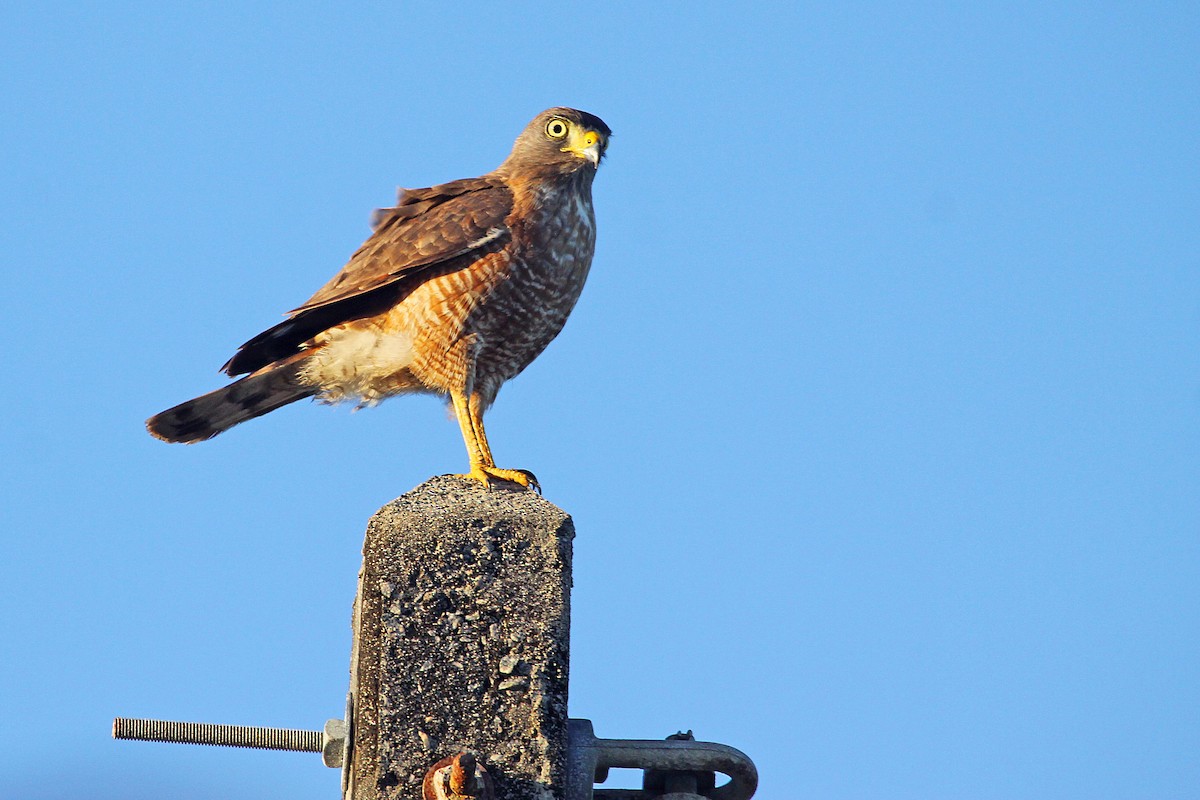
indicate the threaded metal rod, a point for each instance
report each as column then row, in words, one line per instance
column 157, row 730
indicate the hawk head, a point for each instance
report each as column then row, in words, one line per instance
column 559, row 141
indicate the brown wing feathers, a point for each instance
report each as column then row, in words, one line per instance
column 429, row 230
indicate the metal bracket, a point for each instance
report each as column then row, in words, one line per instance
column 589, row 759
column 677, row 768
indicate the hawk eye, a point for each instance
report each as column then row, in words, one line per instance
column 556, row 128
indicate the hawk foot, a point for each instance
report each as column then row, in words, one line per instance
column 486, row 475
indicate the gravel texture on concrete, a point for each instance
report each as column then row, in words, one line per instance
column 462, row 639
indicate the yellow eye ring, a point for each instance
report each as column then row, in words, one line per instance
column 556, row 128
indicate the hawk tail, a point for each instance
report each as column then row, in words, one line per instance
column 252, row 396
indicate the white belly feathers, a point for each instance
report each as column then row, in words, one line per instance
column 358, row 364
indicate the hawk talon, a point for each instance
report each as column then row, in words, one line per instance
column 486, row 475
column 533, row 481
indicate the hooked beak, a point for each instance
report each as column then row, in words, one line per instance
column 592, row 154
column 588, row 145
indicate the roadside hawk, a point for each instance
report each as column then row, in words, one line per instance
column 457, row 290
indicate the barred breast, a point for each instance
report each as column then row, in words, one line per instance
column 552, row 254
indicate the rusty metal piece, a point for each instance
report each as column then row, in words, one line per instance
column 462, row 775
column 458, row 777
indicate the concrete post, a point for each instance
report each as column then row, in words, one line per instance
column 462, row 624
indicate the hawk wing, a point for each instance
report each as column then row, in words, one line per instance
column 428, row 232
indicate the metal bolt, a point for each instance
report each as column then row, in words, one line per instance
column 330, row 743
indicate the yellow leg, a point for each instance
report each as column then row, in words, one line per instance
column 483, row 468
column 475, row 412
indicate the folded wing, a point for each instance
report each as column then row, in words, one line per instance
column 428, row 232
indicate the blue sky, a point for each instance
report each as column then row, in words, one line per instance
column 878, row 418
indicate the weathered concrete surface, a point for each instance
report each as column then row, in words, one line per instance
column 463, row 622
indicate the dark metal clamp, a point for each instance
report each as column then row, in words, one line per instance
column 678, row 768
